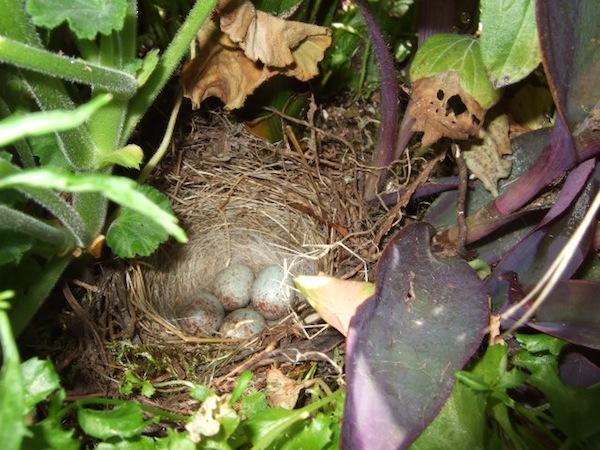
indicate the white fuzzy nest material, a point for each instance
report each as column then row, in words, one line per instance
column 238, row 211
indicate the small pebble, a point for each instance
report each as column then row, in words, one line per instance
column 203, row 314
column 271, row 292
column 232, row 286
column 242, row 324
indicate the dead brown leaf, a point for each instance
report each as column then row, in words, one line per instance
column 248, row 48
column 282, row 391
column 486, row 159
column 442, row 108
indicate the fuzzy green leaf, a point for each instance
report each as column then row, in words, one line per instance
column 460, row 53
column 130, row 156
column 13, row 246
column 18, row 127
column 86, row 18
column 132, row 235
column 124, row 421
column 509, row 41
column 120, row 190
column 12, row 391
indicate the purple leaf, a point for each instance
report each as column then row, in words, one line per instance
column 424, row 322
column 556, row 159
column 569, row 34
column 571, row 312
column 442, row 212
column 569, row 191
column 533, row 255
column 578, row 370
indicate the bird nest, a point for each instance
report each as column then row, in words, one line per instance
column 244, row 201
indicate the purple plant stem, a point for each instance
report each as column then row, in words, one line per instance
column 435, row 16
column 389, row 199
column 384, row 150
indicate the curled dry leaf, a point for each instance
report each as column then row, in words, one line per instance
column 486, row 159
column 442, row 108
column 334, row 299
column 248, row 48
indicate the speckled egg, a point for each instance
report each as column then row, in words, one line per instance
column 271, row 292
column 232, row 286
column 242, row 323
column 203, row 314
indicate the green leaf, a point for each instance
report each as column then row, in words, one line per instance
column 574, row 410
column 539, row 343
column 85, row 18
column 13, row 246
column 460, row 424
column 141, row 443
column 12, row 391
column 148, row 65
column 120, row 190
column 132, row 235
column 40, row 380
column 276, row 7
column 148, row 389
column 254, row 403
column 175, row 441
column 509, row 41
column 18, row 127
column 32, row 284
column 130, row 156
column 45, row 148
column 124, row 421
column 460, row 53
column 241, row 386
column 49, row 435
column 200, row 392
column 314, row 434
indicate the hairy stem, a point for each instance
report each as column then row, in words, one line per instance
column 384, row 150
column 12, row 219
column 72, row 69
column 167, row 65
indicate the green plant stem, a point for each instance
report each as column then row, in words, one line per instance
column 48, row 93
column 71, row 69
column 167, row 65
column 116, row 50
column 12, row 219
column 115, row 402
column 22, row 147
column 55, row 204
column 164, row 145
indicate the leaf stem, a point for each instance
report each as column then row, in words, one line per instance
column 71, row 69
column 167, row 65
column 164, row 145
column 12, row 219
